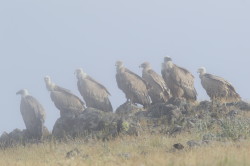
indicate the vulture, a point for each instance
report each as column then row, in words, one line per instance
column 33, row 114
column 158, row 90
column 69, row 104
column 179, row 80
column 217, row 88
column 134, row 87
column 94, row 94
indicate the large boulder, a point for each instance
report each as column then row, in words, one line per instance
column 20, row 137
column 91, row 122
column 128, row 110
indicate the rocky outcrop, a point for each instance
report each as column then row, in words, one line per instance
column 91, row 122
column 20, row 137
column 174, row 117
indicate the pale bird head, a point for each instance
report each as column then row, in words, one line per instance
column 201, row 70
column 119, row 64
column 167, row 59
column 145, row 65
column 80, row 73
column 47, row 79
column 22, row 92
column 49, row 84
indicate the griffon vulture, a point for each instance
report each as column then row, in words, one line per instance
column 158, row 90
column 33, row 114
column 132, row 85
column 94, row 94
column 69, row 104
column 217, row 88
column 179, row 80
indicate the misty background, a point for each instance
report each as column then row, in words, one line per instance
column 54, row 37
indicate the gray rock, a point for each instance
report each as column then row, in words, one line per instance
column 72, row 154
column 178, row 146
column 176, row 130
column 233, row 113
column 242, row 105
column 193, row 143
column 91, row 123
column 209, row 137
column 163, row 110
column 128, row 109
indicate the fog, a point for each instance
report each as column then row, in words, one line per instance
column 54, row 37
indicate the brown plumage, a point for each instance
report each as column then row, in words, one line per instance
column 179, row 80
column 158, row 90
column 132, row 85
column 94, row 94
column 217, row 88
column 69, row 104
column 33, row 114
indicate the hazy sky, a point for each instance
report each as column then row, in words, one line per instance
column 54, row 37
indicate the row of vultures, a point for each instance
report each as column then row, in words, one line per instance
column 174, row 82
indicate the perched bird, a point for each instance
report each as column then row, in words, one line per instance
column 94, row 94
column 179, row 80
column 217, row 88
column 132, row 85
column 33, row 114
column 69, row 104
column 158, row 90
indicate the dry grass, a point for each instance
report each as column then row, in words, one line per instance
column 145, row 150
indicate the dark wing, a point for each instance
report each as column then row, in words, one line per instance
column 218, row 86
column 60, row 89
column 136, row 87
column 158, row 80
column 185, row 80
column 98, row 84
column 95, row 96
column 67, row 102
column 68, row 94
column 136, row 76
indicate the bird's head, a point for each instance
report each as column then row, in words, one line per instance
column 48, row 82
column 23, row 92
column 47, row 79
column 80, row 73
column 119, row 65
column 145, row 65
column 167, row 59
column 201, row 70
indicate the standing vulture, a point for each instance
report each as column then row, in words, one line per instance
column 132, row 85
column 33, row 114
column 94, row 94
column 217, row 88
column 179, row 80
column 69, row 104
column 158, row 90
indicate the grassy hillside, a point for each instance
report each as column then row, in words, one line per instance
column 211, row 136
column 144, row 150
